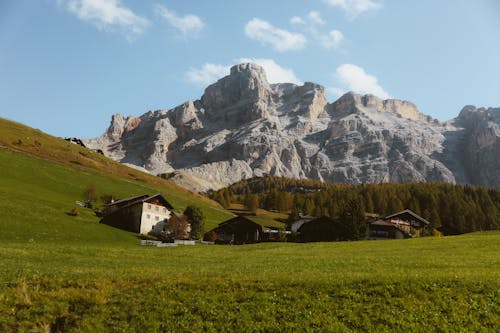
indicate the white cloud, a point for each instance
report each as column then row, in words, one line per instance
column 315, row 17
column 332, row 39
column 108, row 13
column 206, row 75
column 210, row 73
column 354, row 78
column 281, row 40
column 274, row 72
column 297, row 20
column 188, row 25
column 354, row 7
column 311, row 25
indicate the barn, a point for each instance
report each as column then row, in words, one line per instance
column 238, row 230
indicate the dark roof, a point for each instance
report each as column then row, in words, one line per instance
column 118, row 202
column 409, row 212
column 140, row 199
column 231, row 223
column 159, row 197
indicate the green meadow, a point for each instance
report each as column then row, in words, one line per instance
column 424, row 285
column 61, row 273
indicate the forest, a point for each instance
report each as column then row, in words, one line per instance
column 460, row 208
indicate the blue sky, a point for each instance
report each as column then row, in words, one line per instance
column 67, row 65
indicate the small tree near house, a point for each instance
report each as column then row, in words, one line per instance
column 107, row 198
column 196, row 219
column 90, row 195
column 177, row 227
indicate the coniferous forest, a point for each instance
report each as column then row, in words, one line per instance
column 459, row 208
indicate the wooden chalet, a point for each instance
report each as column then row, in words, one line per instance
column 404, row 224
column 322, row 229
column 238, row 230
column 142, row 214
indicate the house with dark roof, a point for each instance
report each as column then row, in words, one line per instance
column 142, row 214
column 238, row 230
column 322, row 229
column 404, row 224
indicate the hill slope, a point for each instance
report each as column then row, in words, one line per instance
column 42, row 176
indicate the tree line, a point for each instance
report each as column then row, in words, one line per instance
column 463, row 208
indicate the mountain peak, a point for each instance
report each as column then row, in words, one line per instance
column 243, row 127
column 247, row 67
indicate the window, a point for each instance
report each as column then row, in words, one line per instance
column 149, row 206
column 157, row 218
column 148, row 216
column 157, row 208
column 164, row 210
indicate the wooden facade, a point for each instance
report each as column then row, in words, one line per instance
column 322, row 229
column 238, row 230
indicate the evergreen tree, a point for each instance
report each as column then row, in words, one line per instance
column 353, row 217
column 196, row 219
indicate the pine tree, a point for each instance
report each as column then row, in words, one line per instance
column 353, row 217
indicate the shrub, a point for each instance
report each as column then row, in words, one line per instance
column 74, row 212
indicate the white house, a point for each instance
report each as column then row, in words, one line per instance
column 141, row 214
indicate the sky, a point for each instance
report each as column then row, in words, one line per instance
column 66, row 66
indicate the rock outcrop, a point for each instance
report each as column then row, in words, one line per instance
column 244, row 127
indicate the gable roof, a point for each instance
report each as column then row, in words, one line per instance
column 409, row 212
column 232, row 223
column 160, row 198
column 127, row 202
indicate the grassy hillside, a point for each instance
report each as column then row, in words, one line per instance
column 49, row 174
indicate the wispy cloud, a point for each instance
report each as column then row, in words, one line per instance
column 188, row 25
column 210, row 72
column 312, row 24
column 315, row 18
column 281, row 40
column 274, row 72
column 354, row 7
column 354, row 78
column 332, row 39
column 207, row 74
column 107, row 14
column 297, row 20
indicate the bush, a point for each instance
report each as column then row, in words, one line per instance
column 74, row 212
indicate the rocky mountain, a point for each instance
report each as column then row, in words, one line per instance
column 244, row 127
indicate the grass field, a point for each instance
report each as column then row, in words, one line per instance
column 426, row 285
column 66, row 274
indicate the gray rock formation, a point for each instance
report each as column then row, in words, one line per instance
column 244, row 127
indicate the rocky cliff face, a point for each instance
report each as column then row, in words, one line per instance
column 244, row 127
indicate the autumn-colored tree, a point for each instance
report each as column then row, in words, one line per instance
column 177, row 227
column 252, row 203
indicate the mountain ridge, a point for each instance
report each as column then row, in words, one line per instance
column 243, row 127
